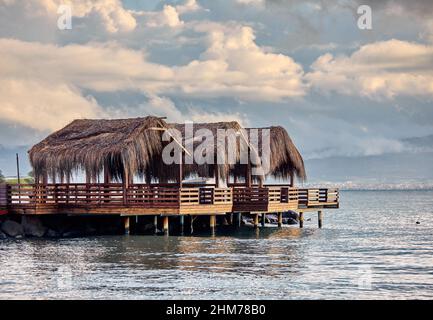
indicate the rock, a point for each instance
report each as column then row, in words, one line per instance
column 12, row 229
column 72, row 234
column 52, row 234
column 291, row 214
column 89, row 230
column 225, row 222
column 149, row 227
column 271, row 218
column 33, row 226
column 290, row 221
column 3, row 236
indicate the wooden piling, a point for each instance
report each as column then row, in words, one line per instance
column 320, row 218
column 239, row 219
column 280, row 219
column 181, row 223
column 191, row 228
column 263, row 219
column 301, row 219
column 126, row 222
column 155, row 224
column 256, row 220
column 165, row 225
column 212, row 223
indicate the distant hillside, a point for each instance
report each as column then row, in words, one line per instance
column 389, row 168
column 422, row 143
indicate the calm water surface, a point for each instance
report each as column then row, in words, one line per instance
column 370, row 248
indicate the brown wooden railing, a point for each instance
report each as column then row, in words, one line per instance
column 3, row 198
column 162, row 196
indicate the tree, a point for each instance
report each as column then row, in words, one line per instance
column 2, row 178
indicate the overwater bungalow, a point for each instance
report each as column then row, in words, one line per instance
column 118, row 167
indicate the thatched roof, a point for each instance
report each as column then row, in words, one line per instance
column 208, row 170
column 122, row 145
column 135, row 146
column 285, row 158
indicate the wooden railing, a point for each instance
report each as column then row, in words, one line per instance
column 163, row 196
column 3, row 198
column 112, row 194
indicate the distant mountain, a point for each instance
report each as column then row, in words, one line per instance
column 421, row 143
column 389, row 168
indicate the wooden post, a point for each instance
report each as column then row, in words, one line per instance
column 191, row 228
column 180, row 176
column 217, row 176
column 165, row 225
column 261, row 181
column 248, row 175
column 18, row 170
column 126, row 224
column 44, row 189
column 107, row 175
column 320, row 218
column 256, row 220
column 301, row 219
column 181, row 223
column 212, row 223
column 292, row 179
column 238, row 219
column 155, row 224
column 263, row 219
column 125, row 187
column 280, row 219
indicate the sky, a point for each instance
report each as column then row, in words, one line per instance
column 306, row 65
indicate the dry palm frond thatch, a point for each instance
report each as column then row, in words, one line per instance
column 134, row 147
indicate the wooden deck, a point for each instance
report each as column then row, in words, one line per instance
column 144, row 199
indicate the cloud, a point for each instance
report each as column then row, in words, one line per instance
column 188, row 7
column 378, row 70
column 109, row 13
column 256, row 3
column 168, row 16
column 43, row 106
column 234, row 65
column 100, row 67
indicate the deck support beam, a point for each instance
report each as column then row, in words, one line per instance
column 165, row 225
column 126, row 223
column 263, row 219
column 320, row 219
column 280, row 219
column 301, row 219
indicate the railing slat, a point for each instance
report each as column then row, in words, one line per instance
column 136, row 195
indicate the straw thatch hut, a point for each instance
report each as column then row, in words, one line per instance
column 285, row 160
column 123, row 148
column 120, row 148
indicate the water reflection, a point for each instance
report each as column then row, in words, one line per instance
column 246, row 263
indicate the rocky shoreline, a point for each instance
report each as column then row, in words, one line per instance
column 56, row 227
column 61, row 226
